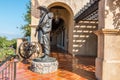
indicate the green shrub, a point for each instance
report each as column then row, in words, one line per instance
column 7, row 47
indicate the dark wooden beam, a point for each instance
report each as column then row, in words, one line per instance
column 87, row 12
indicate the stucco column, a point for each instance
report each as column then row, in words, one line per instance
column 33, row 30
column 108, row 58
column 19, row 42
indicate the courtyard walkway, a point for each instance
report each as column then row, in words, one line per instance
column 77, row 68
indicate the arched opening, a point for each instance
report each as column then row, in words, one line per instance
column 58, row 33
column 62, row 25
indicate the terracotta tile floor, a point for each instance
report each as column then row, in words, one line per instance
column 77, row 68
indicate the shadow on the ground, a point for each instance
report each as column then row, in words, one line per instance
column 81, row 65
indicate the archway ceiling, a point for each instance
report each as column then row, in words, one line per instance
column 57, row 7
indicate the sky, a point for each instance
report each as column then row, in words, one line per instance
column 12, row 18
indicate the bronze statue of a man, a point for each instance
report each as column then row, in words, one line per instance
column 44, row 29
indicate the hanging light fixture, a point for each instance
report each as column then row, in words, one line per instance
column 57, row 14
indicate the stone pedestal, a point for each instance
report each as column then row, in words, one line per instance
column 44, row 67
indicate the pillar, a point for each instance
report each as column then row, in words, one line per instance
column 108, row 58
column 33, row 31
column 19, row 41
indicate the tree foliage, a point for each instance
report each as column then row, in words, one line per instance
column 27, row 18
column 7, row 47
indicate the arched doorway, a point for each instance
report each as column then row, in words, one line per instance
column 58, row 33
column 62, row 26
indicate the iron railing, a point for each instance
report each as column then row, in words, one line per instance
column 8, row 68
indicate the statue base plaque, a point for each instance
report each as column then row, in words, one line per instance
column 44, row 66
